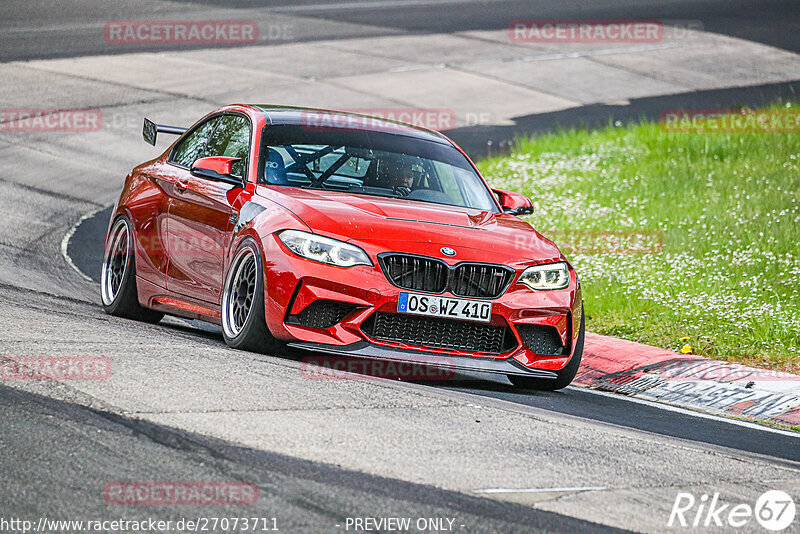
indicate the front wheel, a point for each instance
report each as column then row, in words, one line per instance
column 118, row 277
column 243, row 319
column 565, row 375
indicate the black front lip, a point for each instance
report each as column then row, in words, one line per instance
column 364, row 349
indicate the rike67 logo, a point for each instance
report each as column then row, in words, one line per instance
column 774, row 510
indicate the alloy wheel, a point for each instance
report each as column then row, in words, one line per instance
column 115, row 262
column 239, row 292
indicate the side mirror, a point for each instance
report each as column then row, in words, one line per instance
column 514, row 203
column 217, row 168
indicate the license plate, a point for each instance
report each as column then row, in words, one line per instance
column 446, row 307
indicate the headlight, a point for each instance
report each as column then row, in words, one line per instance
column 323, row 249
column 549, row 276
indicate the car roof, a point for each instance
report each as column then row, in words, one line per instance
column 300, row 115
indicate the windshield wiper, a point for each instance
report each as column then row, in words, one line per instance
column 314, row 185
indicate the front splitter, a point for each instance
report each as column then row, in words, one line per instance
column 364, row 349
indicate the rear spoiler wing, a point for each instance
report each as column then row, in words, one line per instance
column 150, row 130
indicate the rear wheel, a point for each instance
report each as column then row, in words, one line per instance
column 244, row 324
column 565, row 375
column 118, row 276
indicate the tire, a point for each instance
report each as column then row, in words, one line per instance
column 565, row 375
column 118, row 277
column 244, row 325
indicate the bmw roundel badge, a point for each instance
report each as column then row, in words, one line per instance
column 447, row 251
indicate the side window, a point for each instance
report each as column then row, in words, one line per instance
column 190, row 148
column 231, row 138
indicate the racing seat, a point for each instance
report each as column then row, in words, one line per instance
column 274, row 168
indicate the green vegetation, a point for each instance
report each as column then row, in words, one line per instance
column 726, row 283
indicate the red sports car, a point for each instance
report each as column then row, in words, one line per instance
column 343, row 234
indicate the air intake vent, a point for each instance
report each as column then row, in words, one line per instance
column 322, row 314
column 439, row 333
column 540, row 339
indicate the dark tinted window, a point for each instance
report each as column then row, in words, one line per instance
column 231, row 138
column 371, row 163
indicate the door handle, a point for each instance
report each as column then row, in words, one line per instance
column 181, row 186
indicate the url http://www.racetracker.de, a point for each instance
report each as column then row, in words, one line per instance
column 16, row 525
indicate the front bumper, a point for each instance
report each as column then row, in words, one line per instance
column 293, row 283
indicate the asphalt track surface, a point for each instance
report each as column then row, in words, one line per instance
column 303, row 496
column 86, row 250
column 29, row 32
column 57, row 454
column 33, row 30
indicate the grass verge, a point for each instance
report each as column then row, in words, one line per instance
column 686, row 241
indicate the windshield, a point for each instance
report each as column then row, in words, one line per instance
column 371, row 163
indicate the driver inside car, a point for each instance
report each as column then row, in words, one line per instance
column 403, row 176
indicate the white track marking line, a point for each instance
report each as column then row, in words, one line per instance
column 538, row 490
column 686, row 411
column 68, row 236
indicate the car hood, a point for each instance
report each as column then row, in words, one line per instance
column 413, row 226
